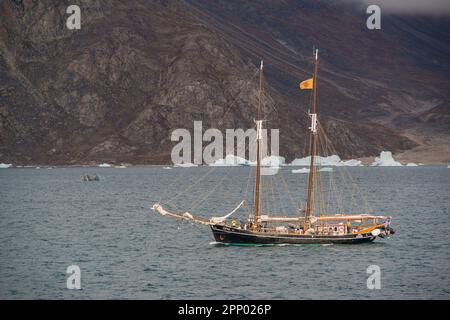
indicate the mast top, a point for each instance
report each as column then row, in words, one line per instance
column 316, row 53
column 261, row 67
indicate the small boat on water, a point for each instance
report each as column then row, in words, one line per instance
column 311, row 224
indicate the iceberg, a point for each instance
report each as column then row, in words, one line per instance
column 5, row 165
column 306, row 170
column 230, row 161
column 104, row 165
column 411, row 164
column 350, row 163
column 273, row 161
column 318, row 160
column 301, row 170
column 184, row 165
column 386, row 160
column 333, row 160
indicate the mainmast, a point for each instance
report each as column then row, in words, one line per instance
column 258, row 121
column 313, row 115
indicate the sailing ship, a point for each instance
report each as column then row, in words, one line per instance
column 308, row 226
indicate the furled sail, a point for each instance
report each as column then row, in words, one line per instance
column 188, row 216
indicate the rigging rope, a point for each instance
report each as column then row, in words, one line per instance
column 190, row 187
column 273, row 183
column 170, row 187
column 345, row 173
column 228, row 108
column 295, row 205
column 205, row 195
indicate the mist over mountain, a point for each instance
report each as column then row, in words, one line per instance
column 114, row 90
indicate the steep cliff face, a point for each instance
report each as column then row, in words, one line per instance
column 114, row 90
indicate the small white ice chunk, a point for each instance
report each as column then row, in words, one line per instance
column 104, row 165
column 301, row 170
column 185, row 165
column 230, row 160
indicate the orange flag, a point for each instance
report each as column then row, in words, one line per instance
column 307, row 84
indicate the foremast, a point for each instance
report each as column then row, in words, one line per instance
column 256, row 214
column 313, row 146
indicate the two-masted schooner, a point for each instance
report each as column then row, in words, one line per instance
column 309, row 225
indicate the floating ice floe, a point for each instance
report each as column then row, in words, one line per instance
column 184, row 165
column 104, row 165
column 121, row 167
column 278, row 161
column 230, row 160
column 301, row 170
column 411, row 164
column 273, row 161
column 318, row 160
column 350, row 163
column 333, row 160
column 386, row 160
column 167, row 168
column 306, row 170
column 5, row 165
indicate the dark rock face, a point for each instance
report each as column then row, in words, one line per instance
column 438, row 116
column 114, row 90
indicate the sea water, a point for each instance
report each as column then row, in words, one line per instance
column 50, row 219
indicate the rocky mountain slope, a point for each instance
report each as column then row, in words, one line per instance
column 114, row 90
